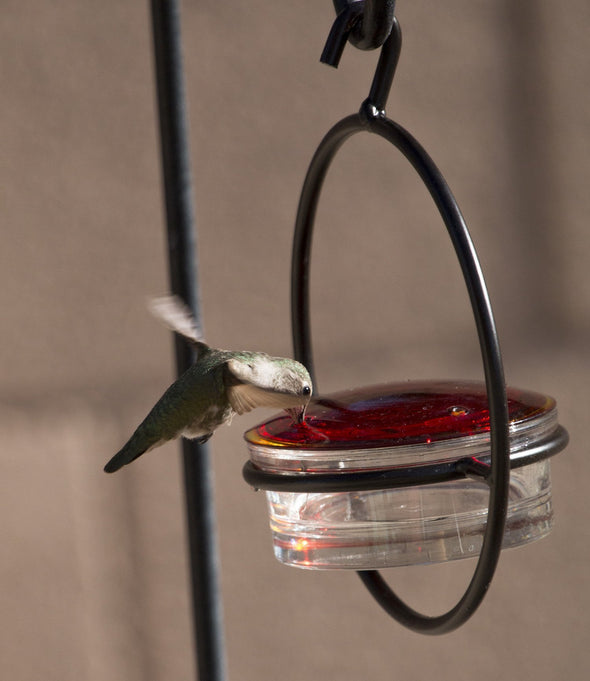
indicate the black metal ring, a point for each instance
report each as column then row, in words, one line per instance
column 371, row 120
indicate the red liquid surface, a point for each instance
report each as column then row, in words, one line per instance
column 417, row 412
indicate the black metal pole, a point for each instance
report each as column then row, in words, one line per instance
column 204, row 562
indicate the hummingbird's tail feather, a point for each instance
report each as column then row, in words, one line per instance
column 127, row 454
column 177, row 316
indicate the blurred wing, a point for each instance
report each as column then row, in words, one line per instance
column 244, row 397
column 176, row 316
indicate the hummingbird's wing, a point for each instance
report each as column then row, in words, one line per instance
column 175, row 315
column 244, row 397
column 248, row 390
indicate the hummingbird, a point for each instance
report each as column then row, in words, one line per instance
column 210, row 392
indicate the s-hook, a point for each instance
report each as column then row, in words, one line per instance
column 352, row 19
column 365, row 23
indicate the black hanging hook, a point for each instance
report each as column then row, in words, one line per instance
column 365, row 23
column 374, row 105
column 375, row 26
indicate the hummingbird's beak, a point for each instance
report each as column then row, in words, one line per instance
column 297, row 413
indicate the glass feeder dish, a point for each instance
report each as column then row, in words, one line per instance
column 412, row 429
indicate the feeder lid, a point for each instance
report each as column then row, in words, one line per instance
column 396, row 424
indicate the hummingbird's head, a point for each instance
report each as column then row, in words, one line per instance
column 295, row 383
column 263, row 381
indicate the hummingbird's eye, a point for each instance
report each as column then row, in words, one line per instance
column 306, row 390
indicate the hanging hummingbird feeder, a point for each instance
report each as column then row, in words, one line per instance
column 406, row 473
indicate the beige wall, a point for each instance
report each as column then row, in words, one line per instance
column 92, row 569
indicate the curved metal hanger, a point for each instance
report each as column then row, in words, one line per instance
column 372, row 118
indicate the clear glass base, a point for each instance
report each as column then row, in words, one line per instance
column 405, row 526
